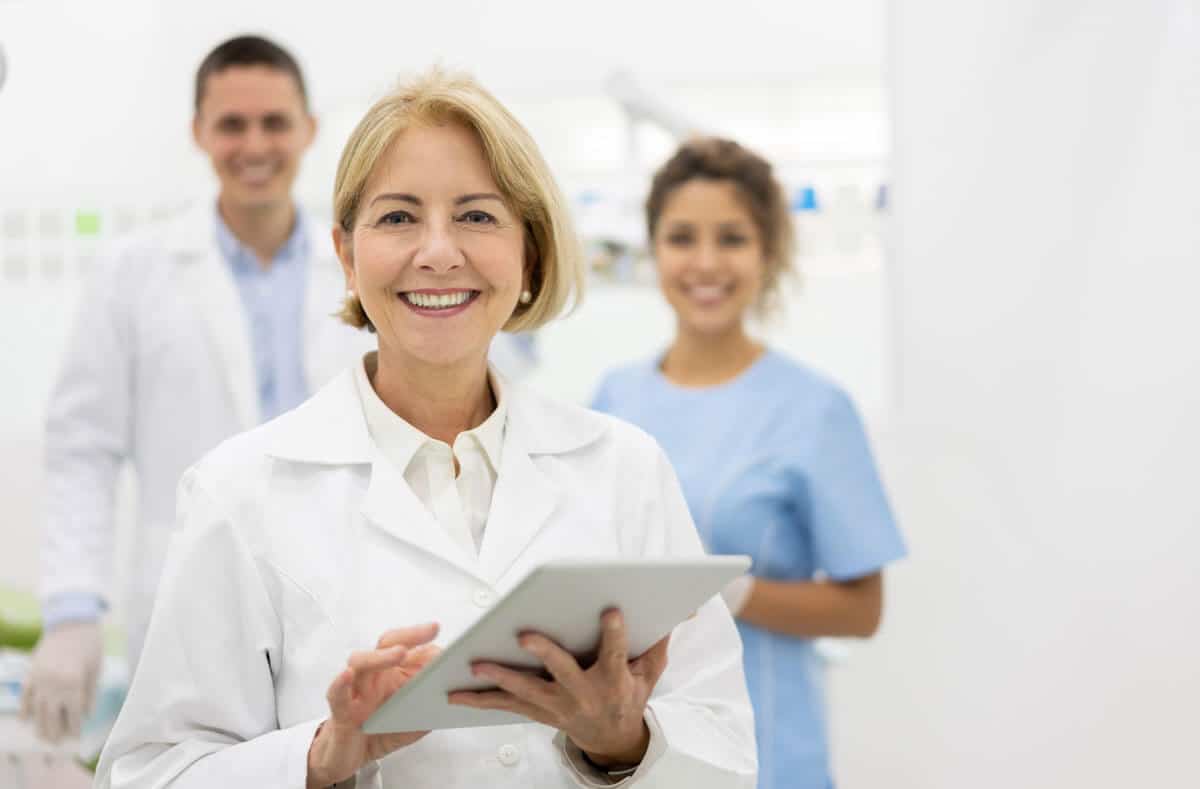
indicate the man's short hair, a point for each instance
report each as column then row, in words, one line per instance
column 248, row 51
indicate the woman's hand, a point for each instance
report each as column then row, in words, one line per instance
column 601, row 708
column 340, row 746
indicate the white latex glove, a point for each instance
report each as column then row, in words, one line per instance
column 62, row 679
column 737, row 592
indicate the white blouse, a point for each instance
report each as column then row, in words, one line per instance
column 459, row 504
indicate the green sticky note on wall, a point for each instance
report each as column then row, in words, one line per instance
column 87, row 223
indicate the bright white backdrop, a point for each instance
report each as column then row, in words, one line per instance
column 1046, row 447
column 99, row 93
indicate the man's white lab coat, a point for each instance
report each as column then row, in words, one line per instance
column 159, row 371
column 299, row 544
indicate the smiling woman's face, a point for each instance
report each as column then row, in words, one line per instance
column 435, row 255
column 709, row 255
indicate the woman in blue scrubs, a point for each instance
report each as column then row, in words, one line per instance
column 772, row 456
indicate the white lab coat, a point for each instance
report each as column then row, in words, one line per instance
column 159, row 371
column 299, row 544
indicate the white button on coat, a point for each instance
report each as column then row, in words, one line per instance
column 509, row 755
column 483, row 598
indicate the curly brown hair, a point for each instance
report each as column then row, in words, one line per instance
column 720, row 159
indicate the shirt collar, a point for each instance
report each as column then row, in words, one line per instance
column 239, row 256
column 399, row 441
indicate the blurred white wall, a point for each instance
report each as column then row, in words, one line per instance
column 1046, row 448
column 99, row 94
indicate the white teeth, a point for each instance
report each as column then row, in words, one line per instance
column 437, row 301
column 257, row 173
column 707, row 292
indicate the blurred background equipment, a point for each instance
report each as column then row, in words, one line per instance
column 25, row 760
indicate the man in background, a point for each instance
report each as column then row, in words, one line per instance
column 193, row 330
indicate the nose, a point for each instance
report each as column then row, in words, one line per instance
column 254, row 142
column 708, row 256
column 439, row 252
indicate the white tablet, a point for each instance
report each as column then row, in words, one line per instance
column 563, row 600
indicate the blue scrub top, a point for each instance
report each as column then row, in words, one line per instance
column 774, row 464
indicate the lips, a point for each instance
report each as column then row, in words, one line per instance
column 708, row 294
column 440, row 303
column 438, row 300
column 258, row 174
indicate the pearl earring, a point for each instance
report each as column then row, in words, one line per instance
column 349, row 293
column 526, row 297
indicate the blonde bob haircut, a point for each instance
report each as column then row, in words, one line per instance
column 553, row 257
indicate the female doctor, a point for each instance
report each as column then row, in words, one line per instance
column 322, row 557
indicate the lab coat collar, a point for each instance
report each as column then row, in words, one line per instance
column 192, row 243
column 330, row 429
column 327, row 429
column 192, row 234
column 191, row 240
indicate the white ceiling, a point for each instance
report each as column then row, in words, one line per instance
column 534, row 43
column 98, row 93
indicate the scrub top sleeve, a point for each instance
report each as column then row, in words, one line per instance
column 602, row 399
column 699, row 714
column 852, row 528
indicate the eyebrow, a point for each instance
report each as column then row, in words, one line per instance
column 478, row 196
column 242, row 116
column 687, row 224
column 404, row 197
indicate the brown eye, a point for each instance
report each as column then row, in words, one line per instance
column 231, row 124
column 396, row 218
column 476, row 217
column 276, row 122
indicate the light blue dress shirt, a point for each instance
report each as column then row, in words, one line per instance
column 273, row 299
column 774, row 464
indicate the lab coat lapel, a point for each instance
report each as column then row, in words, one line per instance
column 330, row 429
column 326, row 349
column 211, row 284
column 522, row 503
column 391, row 505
